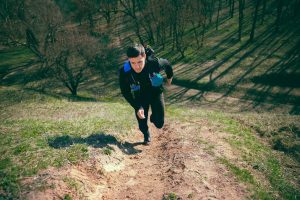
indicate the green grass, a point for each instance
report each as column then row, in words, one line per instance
column 263, row 163
column 67, row 197
column 253, row 151
column 207, row 146
column 245, row 176
column 107, row 151
column 72, row 183
column 170, row 196
column 281, row 131
column 42, row 132
column 14, row 57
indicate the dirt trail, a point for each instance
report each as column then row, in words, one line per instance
column 173, row 163
column 181, row 160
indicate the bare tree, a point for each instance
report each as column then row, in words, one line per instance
column 107, row 8
column 60, row 48
column 179, row 23
column 160, row 17
column 195, row 17
column 86, row 9
column 257, row 2
column 129, row 8
column 33, row 25
column 11, row 22
column 147, row 19
column 204, row 10
column 72, row 55
column 155, row 18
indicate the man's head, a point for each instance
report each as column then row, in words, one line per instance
column 137, row 57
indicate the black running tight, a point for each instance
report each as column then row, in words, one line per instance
column 157, row 105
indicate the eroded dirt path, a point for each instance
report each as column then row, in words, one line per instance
column 182, row 160
column 173, row 163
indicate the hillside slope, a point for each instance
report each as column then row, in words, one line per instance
column 64, row 148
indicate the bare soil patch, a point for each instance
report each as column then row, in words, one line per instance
column 175, row 163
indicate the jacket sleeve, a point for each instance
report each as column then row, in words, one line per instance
column 126, row 91
column 164, row 64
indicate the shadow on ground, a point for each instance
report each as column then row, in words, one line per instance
column 98, row 140
column 258, row 82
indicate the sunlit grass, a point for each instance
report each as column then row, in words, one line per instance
column 264, row 162
column 35, row 131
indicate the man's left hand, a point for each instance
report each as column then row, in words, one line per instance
column 169, row 81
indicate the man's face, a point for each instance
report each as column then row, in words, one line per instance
column 138, row 63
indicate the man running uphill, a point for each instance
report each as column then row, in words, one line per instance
column 141, row 85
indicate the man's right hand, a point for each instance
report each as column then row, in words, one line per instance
column 140, row 113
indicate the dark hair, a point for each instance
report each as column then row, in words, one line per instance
column 135, row 50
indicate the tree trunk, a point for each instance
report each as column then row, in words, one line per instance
column 107, row 16
column 33, row 44
column 174, row 36
column 148, row 28
column 254, row 21
column 279, row 12
column 91, row 21
column 232, row 8
column 181, row 53
column 296, row 9
column 163, row 36
column 219, row 8
column 138, row 33
column 241, row 16
column 131, row 12
column 203, row 31
column 74, row 91
column 196, row 34
column 211, row 11
column 158, row 35
column 263, row 11
column 229, row 7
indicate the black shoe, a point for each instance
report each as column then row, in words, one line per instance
column 147, row 138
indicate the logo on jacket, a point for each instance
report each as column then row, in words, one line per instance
column 156, row 79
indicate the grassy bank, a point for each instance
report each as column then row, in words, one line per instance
column 41, row 131
column 38, row 131
column 271, row 173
